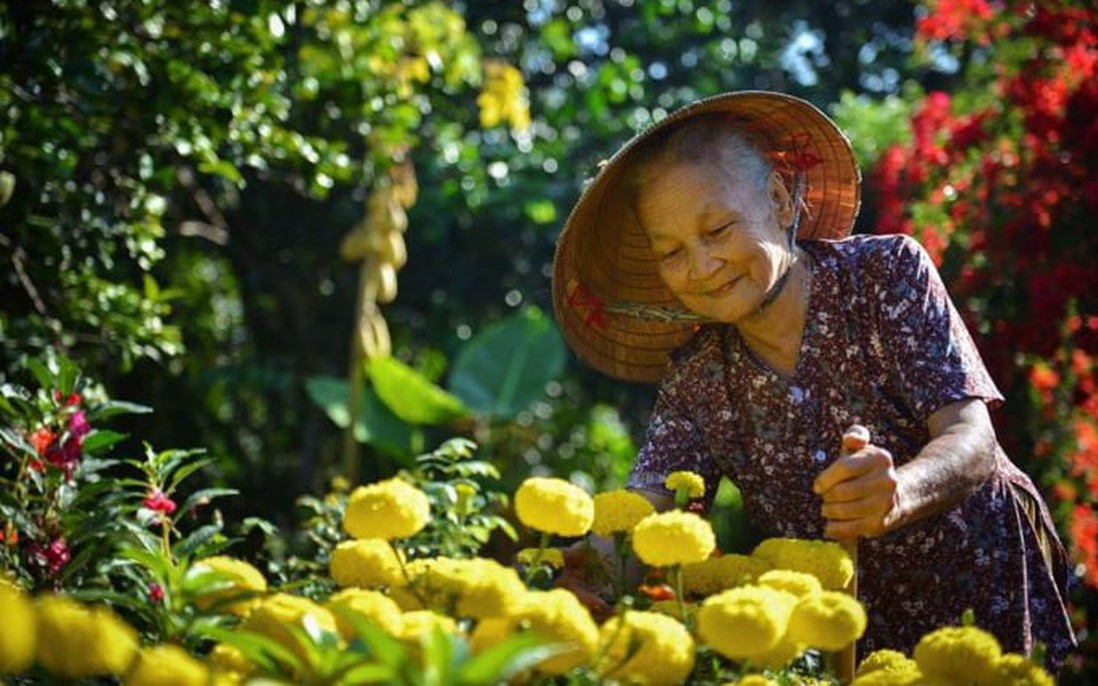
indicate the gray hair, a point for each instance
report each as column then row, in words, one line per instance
column 709, row 140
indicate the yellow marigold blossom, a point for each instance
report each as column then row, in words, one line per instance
column 490, row 631
column 558, row 616
column 17, row 639
column 828, row 620
column 691, row 482
column 785, row 651
column 77, row 641
column 166, row 665
column 236, row 579
column 373, row 606
column 647, row 647
column 619, row 511
column 549, row 556
column 554, row 506
column 366, row 563
column 274, row 616
column 745, row 622
column 953, row 654
column 887, row 661
column 883, row 678
column 418, row 622
column 717, row 574
column 503, row 98
column 825, row 560
column 476, row 587
column 405, row 598
column 388, row 509
column 799, row 584
column 226, row 661
column 673, row 538
column 1017, row 670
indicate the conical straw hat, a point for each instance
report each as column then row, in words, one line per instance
column 612, row 306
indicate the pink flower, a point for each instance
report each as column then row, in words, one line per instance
column 78, row 425
column 51, row 558
column 158, row 502
column 156, row 593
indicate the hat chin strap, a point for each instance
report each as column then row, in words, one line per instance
column 798, row 206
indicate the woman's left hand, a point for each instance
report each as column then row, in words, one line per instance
column 860, row 490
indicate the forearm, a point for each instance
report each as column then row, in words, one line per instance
column 955, row 463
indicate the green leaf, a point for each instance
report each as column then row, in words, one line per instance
column 115, row 407
column 376, row 424
column 410, row 395
column 100, row 439
column 203, row 496
column 506, row 659
column 504, row 369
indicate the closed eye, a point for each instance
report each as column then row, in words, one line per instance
column 718, row 231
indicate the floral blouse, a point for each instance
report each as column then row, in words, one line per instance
column 883, row 346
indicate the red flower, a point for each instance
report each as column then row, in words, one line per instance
column 1084, row 532
column 67, row 401
column 156, row 593
column 50, row 558
column 65, row 456
column 158, row 502
column 41, row 440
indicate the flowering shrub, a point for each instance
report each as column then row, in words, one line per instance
column 1000, row 185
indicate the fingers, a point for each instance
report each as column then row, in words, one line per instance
column 869, row 459
column 855, row 438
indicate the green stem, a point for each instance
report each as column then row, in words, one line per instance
column 543, row 543
column 619, row 559
column 676, row 573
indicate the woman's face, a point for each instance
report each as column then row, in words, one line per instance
column 721, row 242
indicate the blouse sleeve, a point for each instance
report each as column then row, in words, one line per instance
column 931, row 349
column 673, row 442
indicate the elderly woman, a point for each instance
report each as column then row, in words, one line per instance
column 712, row 255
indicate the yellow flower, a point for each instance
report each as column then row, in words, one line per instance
column 367, row 562
column 549, row 556
column 490, row 631
column 825, row 560
column 828, row 620
column 503, row 97
column 235, row 579
column 953, row 654
column 799, row 584
column 673, row 538
column 17, row 639
column 554, row 506
column 692, row 483
column 276, row 614
column 388, row 509
column 476, row 587
column 405, row 598
column 558, row 616
column 785, row 651
column 166, row 665
column 883, row 678
column 745, row 622
column 887, row 661
column 419, row 622
column 78, row 641
column 229, row 664
column 377, row 608
column 646, row 647
column 619, row 511
column 1017, row 670
column 717, row 574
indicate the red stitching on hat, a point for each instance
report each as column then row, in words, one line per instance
column 798, row 157
column 589, row 305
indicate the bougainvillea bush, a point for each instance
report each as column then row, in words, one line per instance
column 1000, row 183
column 398, row 587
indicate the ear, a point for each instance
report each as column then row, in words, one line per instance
column 780, row 200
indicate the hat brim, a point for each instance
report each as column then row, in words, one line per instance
column 603, row 255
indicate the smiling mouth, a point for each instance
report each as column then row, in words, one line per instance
column 723, row 288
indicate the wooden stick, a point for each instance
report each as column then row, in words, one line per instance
column 847, row 656
column 855, row 438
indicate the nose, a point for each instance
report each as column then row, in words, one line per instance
column 703, row 264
